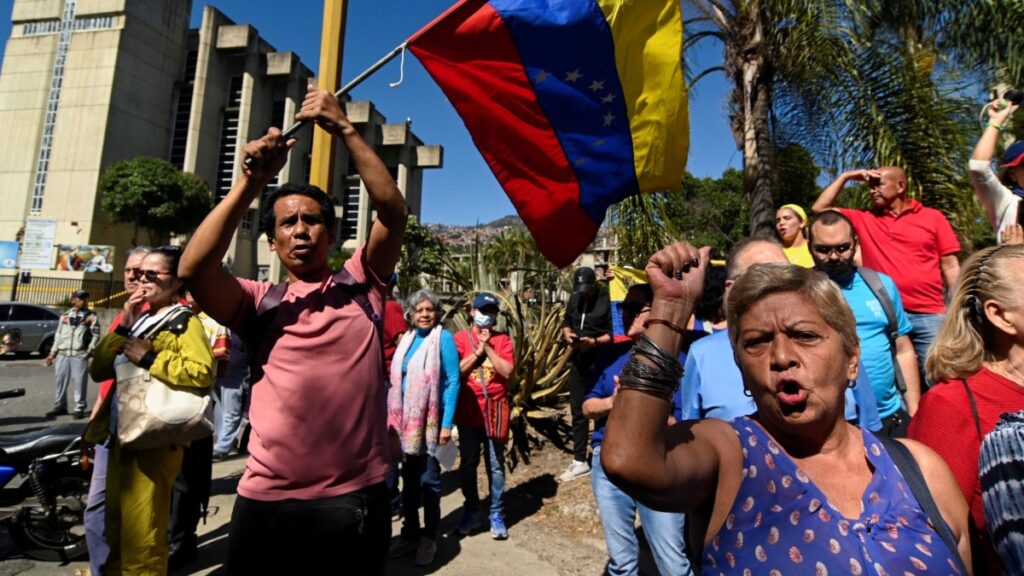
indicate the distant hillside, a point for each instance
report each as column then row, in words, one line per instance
column 510, row 220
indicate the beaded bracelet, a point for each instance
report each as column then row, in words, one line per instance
column 675, row 328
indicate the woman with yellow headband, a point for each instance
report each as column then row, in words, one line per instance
column 791, row 225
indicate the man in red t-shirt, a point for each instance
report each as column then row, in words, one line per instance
column 486, row 363
column 912, row 244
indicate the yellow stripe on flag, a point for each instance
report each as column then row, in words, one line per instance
column 648, row 38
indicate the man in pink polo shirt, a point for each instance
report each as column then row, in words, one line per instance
column 312, row 499
column 912, row 244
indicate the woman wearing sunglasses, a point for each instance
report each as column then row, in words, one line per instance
column 161, row 335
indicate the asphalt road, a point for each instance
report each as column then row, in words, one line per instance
column 457, row 556
column 26, row 412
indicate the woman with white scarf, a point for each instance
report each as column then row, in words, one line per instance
column 421, row 405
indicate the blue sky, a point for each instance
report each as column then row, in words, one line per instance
column 464, row 191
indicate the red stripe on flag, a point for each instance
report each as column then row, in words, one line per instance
column 471, row 55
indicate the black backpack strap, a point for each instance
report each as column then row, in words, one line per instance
column 974, row 409
column 912, row 474
column 874, row 282
column 258, row 340
column 360, row 293
column 255, row 337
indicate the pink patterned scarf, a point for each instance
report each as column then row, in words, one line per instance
column 415, row 415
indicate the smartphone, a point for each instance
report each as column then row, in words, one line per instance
column 575, row 337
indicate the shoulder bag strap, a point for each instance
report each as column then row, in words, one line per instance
column 256, row 343
column 874, row 282
column 911, row 472
column 974, row 408
column 359, row 292
column 171, row 316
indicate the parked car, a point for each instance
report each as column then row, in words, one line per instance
column 37, row 325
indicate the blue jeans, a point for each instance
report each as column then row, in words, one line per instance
column 664, row 530
column 926, row 328
column 421, row 483
column 95, row 512
column 471, row 441
column 227, row 415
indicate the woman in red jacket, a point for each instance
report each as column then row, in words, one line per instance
column 978, row 362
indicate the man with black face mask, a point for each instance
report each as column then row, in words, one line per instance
column 833, row 243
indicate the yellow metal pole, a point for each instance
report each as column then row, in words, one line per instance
column 332, row 47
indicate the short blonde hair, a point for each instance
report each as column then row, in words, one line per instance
column 763, row 280
column 962, row 343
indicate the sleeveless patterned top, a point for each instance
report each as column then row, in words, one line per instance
column 782, row 523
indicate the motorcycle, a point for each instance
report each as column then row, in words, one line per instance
column 44, row 484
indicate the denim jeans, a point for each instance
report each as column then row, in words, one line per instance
column 471, row 441
column 664, row 531
column 421, row 483
column 227, row 415
column 926, row 328
column 95, row 510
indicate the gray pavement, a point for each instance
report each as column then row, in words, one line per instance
column 457, row 555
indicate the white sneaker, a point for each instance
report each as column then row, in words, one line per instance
column 574, row 471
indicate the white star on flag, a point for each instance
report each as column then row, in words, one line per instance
column 541, row 76
column 573, row 76
column 596, row 85
column 608, row 119
column 607, row 99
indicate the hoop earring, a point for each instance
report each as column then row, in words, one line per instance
column 851, row 383
column 747, row 392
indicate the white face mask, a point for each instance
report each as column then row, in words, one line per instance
column 484, row 320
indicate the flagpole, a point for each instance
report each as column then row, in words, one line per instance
column 290, row 132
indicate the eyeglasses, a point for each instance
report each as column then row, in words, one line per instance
column 133, row 272
column 151, row 275
column 837, row 250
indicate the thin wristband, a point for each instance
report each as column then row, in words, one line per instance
column 994, row 125
column 666, row 323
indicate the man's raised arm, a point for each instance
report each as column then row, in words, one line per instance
column 214, row 288
column 827, row 199
column 384, row 245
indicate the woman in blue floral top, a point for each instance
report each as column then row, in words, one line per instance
column 793, row 489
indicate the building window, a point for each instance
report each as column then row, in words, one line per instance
column 350, row 208
column 228, row 140
column 40, row 28
column 53, row 101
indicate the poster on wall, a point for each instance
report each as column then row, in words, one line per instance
column 37, row 244
column 8, row 254
column 85, row 258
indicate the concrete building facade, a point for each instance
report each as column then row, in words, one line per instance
column 87, row 83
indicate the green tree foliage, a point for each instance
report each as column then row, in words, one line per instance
column 861, row 84
column 422, row 253
column 709, row 211
column 796, row 177
column 642, row 225
column 152, row 195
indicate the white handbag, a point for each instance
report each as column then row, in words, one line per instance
column 153, row 414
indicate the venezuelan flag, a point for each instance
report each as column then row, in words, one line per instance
column 574, row 104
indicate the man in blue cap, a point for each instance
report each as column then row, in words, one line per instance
column 486, row 364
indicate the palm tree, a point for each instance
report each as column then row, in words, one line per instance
column 863, row 82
